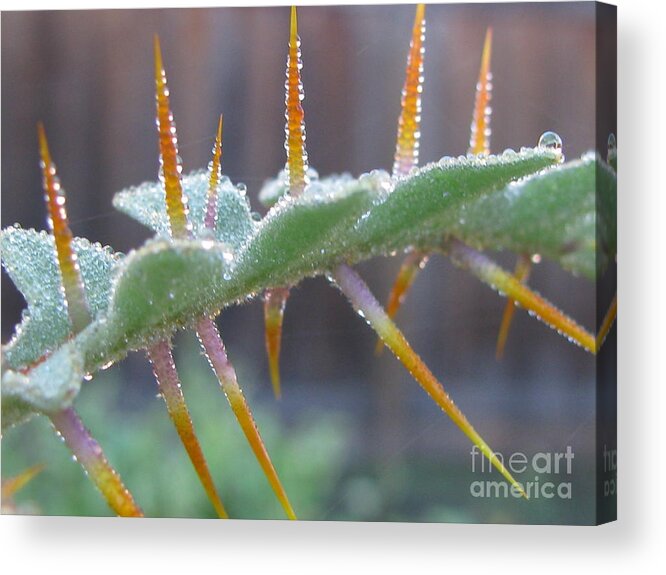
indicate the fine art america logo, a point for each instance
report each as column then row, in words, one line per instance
column 557, row 466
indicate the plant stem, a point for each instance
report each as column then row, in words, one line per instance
column 217, row 357
column 351, row 284
column 169, row 383
column 89, row 454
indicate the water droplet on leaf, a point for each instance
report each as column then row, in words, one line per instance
column 551, row 141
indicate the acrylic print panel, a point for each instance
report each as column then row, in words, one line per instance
column 263, row 261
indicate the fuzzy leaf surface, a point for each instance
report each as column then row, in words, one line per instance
column 522, row 201
column 29, row 258
column 50, row 386
column 146, row 204
column 564, row 213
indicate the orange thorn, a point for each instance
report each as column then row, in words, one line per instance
column 89, row 454
column 170, row 167
column 490, row 273
column 14, row 484
column 407, row 141
column 522, row 274
column 169, row 385
column 217, row 357
column 72, row 283
column 210, row 220
column 297, row 157
column 275, row 301
column 479, row 142
column 606, row 324
column 407, row 153
column 410, row 268
column 358, row 293
column 296, row 168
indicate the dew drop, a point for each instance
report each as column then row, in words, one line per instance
column 612, row 142
column 611, row 155
column 551, row 141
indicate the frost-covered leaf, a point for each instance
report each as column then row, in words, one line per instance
column 560, row 213
column 422, row 207
column 162, row 286
column 302, row 236
column 48, row 387
column 14, row 412
column 169, row 284
column 166, row 285
column 146, row 204
column 29, row 258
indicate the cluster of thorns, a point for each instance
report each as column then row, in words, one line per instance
column 67, row 422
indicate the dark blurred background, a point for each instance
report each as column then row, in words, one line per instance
column 354, row 437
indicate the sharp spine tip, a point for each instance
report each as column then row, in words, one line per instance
column 479, row 142
column 294, row 24
column 70, row 274
column 157, row 50
column 408, row 137
column 297, row 157
column 176, row 202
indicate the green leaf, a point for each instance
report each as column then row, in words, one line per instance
column 15, row 411
column 29, row 258
column 423, row 207
column 159, row 288
column 49, row 387
column 146, row 204
column 167, row 285
column 559, row 213
column 303, row 236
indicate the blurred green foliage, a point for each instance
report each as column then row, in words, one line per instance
column 328, row 463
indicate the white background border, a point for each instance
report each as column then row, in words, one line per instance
column 634, row 543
